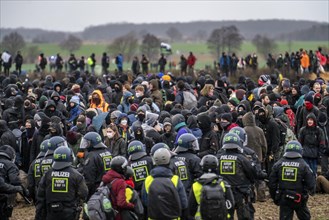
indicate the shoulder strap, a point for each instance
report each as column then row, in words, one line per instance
column 174, row 180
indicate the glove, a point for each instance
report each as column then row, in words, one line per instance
column 19, row 189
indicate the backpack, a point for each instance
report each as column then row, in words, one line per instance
column 213, row 202
column 99, row 206
column 18, row 135
column 189, row 100
column 163, row 198
column 286, row 134
column 164, row 95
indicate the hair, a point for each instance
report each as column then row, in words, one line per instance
column 114, row 128
column 206, row 89
column 140, row 88
column 262, row 96
column 127, row 86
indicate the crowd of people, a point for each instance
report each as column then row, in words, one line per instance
column 168, row 146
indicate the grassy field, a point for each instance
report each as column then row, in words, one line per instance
column 200, row 50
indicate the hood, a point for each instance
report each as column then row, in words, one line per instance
column 54, row 94
column 311, row 115
column 9, row 103
column 75, row 99
column 126, row 95
column 42, row 101
column 57, row 84
column 50, row 103
column 248, row 120
column 111, row 175
column 3, row 126
column 204, row 122
column 155, row 84
column 192, row 122
column 163, row 115
column 278, row 111
column 57, row 127
column 151, row 118
column 207, row 178
column 100, row 94
column 161, row 171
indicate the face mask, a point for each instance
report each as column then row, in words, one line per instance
column 224, row 124
column 39, row 123
column 110, row 135
column 262, row 118
column 97, row 100
column 308, row 106
column 138, row 94
column 141, row 117
column 124, row 122
column 117, row 89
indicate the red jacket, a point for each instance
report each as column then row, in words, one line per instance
column 191, row 60
column 118, row 192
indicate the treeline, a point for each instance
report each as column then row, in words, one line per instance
column 191, row 31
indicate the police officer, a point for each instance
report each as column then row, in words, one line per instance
column 140, row 163
column 290, row 183
column 237, row 170
column 34, row 174
column 54, row 143
column 177, row 166
column 163, row 193
column 97, row 160
column 61, row 189
column 253, row 158
column 10, row 174
column 186, row 151
column 209, row 165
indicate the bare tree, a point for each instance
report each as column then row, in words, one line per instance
column 126, row 45
column 174, row 34
column 150, row 46
column 226, row 38
column 200, row 35
column 31, row 54
column 13, row 42
column 263, row 44
column 71, row 44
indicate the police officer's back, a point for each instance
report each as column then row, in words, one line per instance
column 10, row 174
column 140, row 163
column 224, row 200
column 290, row 183
column 62, row 188
column 34, row 174
column 97, row 160
column 237, row 170
column 186, row 151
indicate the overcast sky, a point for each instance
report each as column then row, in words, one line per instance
column 75, row 15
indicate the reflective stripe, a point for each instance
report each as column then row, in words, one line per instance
column 197, row 190
column 149, row 180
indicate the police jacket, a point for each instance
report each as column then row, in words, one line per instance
column 46, row 163
column 34, row 175
column 142, row 167
column 193, row 166
column 195, row 194
column 6, row 188
column 180, row 168
column 235, row 168
column 9, row 171
column 291, row 174
column 66, row 186
column 97, row 162
column 162, row 171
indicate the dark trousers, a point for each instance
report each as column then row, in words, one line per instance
column 287, row 212
column 243, row 206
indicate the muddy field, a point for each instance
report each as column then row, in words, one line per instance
column 318, row 204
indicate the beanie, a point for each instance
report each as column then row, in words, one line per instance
column 76, row 88
column 227, row 117
column 240, row 93
column 305, row 89
column 233, row 101
column 309, row 98
column 133, row 107
column 286, row 84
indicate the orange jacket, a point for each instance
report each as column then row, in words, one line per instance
column 305, row 60
column 103, row 106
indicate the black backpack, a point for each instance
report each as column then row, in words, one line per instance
column 213, row 202
column 163, row 200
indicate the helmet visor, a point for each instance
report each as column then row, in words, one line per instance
column 195, row 145
column 84, row 144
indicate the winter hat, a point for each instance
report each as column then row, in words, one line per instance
column 75, row 99
column 76, row 88
column 284, row 102
column 240, row 94
column 305, row 89
column 227, row 117
column 166, row 77
column 217, row 103
column 234, row 101
column 133, row 107
column 322, row 118
column 81, row 119
column 309, row 97
column 167, row 121
column 286, row 84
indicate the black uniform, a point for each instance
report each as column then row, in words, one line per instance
column 10, row 174
column 237, row 170
column 34, row 175
column 142, row 167
column 193, row 166
column 96, row 164
column 60, row 192
column 290, row 182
